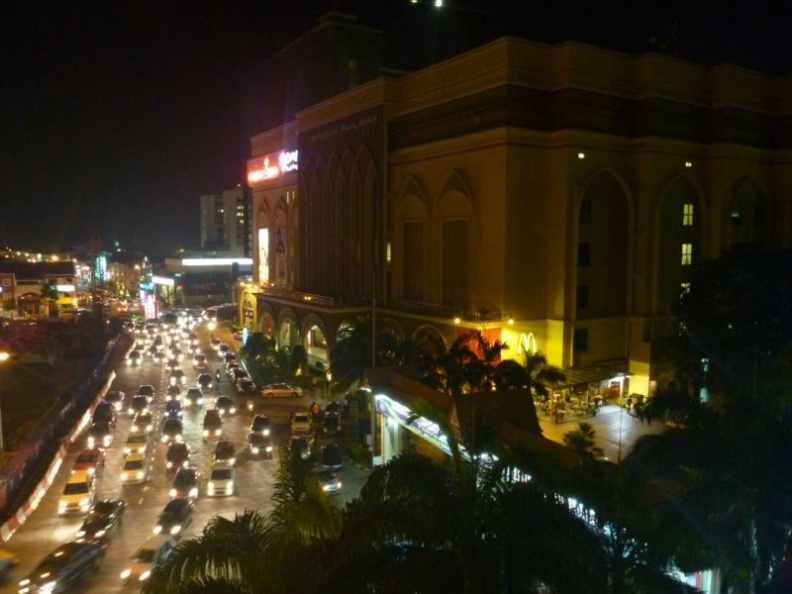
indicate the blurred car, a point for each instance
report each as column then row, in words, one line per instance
column 78, row 494
column 261, row 424
column 135, row 469
column 177, row 456
column 331, row 423
column 199, row 361
column 104, row 412
column 143, row 421
column 90, row 460
column 103, row 519
column 301, row 444
column 172, row 363
column 225, row 451
column 331, row 456
column 185, row 483
column 175, row 517
column 222, row 349
column 61, row 569
column 225, row 405
column 172, row 431
column 329, row 481
column 173, row 409
column 214, row 342
column 221, row 480
column 148, row 391
column 139, row 403
column 245, row 385
column 158, row 356
column 134, row 359
column 173, row 392
column 193, row 398
column 237, row 373
column 116, row 399
column 153, row 551
column 212, row 425
column 281, row 389
column 205, row 381
column 100, row 435
column 136, row 443
column 176, row 377
column 260, row 445
column 300, row 423
column 8, row 560
column 176, row 353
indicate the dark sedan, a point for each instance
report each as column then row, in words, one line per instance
column 175, row 517
column 103, row 519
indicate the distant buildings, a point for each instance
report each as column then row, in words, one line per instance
column 224, row 223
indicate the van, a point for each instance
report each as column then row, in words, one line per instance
column 78, row 494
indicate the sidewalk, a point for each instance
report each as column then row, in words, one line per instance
column 616, row 430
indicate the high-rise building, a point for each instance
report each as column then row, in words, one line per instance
column 224, row 222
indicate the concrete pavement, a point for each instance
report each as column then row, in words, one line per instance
column 616, row 430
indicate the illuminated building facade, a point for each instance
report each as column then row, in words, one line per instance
column 555, row 197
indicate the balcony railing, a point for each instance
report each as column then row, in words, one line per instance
column 474, row 312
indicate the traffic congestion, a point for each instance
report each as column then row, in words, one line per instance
column 178, row 438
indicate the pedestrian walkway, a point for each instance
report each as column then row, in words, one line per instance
column 616, row 429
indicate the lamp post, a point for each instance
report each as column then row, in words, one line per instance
column 212, row 326
column 4, row 357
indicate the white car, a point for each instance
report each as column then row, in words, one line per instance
column 221, row 480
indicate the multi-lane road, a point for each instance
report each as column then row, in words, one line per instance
column 45, row 530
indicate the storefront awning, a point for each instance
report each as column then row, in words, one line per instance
column 581, row 376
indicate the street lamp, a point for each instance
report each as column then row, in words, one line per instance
column 4, row 357
column 212, row 326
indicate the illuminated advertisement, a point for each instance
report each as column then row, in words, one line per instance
column 263, row 260
column 271, row 166
column 280, row 255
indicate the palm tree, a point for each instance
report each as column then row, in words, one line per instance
column 258, row 554
column 420, row 527
column 583, row 442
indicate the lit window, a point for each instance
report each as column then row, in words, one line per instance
column 687, row 215
column 685, row 287
column 687, row 254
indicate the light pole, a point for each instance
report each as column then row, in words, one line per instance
column 4, row 357
column 212, row 326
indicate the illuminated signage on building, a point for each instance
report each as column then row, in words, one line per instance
column 271, row 166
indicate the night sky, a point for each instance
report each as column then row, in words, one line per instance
column 117, row 116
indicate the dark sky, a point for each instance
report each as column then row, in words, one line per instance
column 117, row 116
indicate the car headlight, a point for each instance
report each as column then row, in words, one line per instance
column 62, row 503
column 210, row 488
column 127, row 450
column 107, row 440
column 232, row 410
column 91, row 442
column 169, row 464
column 85, row 502
column 145, row 575
column 157, row 529
column 140, row 474
column 230, row 486
column 194, row 492
column 175, row 530
column 100, row 533
column 124, row 476
column 255, row 450
column 266, row 432
column 232, row 461
column 172, row 493
column 126, row 573
column 80, row 533
column 219, row 431
column 206, row 432
column 269, row 448
column 164, row 438
column 200, row 401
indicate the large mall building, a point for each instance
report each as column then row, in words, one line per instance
column 555, row 197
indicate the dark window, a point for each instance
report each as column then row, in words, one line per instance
column 582, row 297
column 585, row 211
column 580, row 340
column 584, row 254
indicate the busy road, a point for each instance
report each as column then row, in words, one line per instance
column 46, row 529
